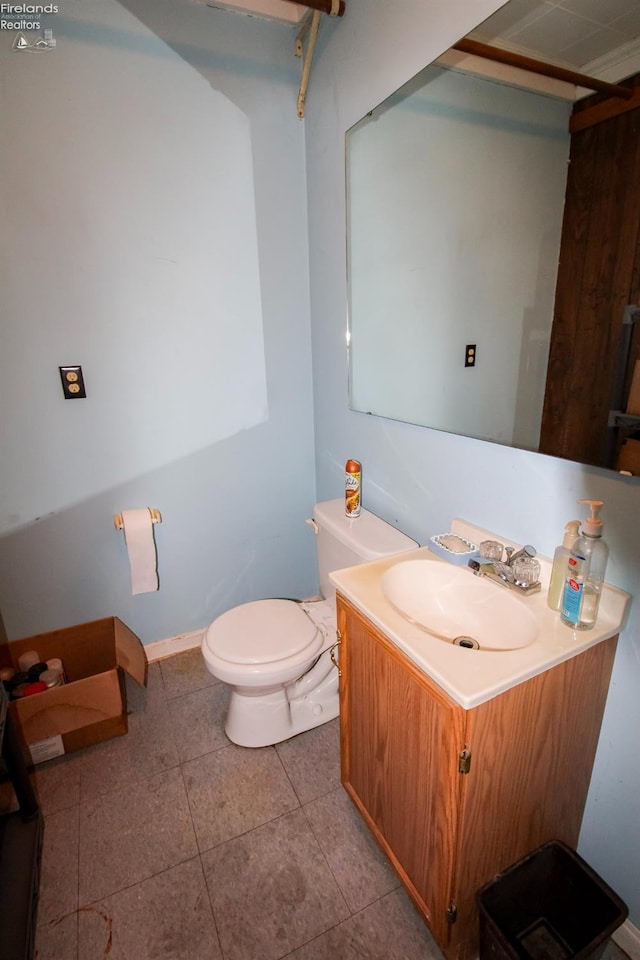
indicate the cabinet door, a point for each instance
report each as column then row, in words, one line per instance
column 532, row 752
column 400, row 741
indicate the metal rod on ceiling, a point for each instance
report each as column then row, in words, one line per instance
column 539, row 66
column 335, row 8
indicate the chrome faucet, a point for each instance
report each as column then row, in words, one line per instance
column 503, row 572
column 526, row 551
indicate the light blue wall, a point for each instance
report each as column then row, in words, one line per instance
column 234, row 508
column 419, row 478
column 155, row 232
column 499, row 155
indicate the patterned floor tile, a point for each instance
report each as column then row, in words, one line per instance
column 167, row 917
column 271, row 890
column 234, row 790
column 312, row 760
column 132, row 833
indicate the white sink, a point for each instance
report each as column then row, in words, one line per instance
column 416, row 599
column 453, row 605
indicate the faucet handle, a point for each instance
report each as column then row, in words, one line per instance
column 526, row 551
column 526, row 571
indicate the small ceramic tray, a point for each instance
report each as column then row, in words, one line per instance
column 453, row 548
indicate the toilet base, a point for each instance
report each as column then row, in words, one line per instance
column 262, row 717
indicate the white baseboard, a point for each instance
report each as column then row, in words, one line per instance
column 161, row 649
column 627, row 937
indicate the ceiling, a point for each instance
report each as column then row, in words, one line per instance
column 284, row 11
column 600, row 38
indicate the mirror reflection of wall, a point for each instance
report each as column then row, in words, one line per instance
column 456, row 188
column 455, row 240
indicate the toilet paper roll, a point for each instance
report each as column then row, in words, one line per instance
column 143, row 560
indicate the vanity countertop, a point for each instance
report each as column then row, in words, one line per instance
column 472, row 677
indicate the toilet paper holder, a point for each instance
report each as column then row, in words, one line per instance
column 156, row 517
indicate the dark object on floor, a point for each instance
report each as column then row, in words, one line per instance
column 20, row 853
column 549, row 906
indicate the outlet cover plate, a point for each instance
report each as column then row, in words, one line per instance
column 72, row 382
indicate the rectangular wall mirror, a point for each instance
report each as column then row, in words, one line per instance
column 466, row 189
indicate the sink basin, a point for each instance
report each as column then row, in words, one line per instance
column 454, row 606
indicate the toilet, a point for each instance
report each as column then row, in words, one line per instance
column 278, row 656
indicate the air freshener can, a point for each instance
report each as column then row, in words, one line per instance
column 352, row 488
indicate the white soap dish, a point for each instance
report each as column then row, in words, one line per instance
column 453, row 548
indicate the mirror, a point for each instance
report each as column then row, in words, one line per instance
column 455, row 196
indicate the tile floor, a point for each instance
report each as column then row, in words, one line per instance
column 171, row 843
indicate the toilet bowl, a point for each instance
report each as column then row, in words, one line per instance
column 275, row 655
column 280, row 656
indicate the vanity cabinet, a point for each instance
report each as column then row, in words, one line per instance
column 455, row 796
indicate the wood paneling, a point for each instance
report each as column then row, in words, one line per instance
column 597, row 277
column 581, row 119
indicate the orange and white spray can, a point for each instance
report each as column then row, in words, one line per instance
column 352, row 488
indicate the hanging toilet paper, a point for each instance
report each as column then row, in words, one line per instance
column 141, row 546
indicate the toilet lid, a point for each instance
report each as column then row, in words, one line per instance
column 263, row 631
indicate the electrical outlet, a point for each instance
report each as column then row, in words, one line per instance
column 72, row 382
column 470, row 355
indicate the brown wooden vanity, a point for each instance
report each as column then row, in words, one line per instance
column 454, row 796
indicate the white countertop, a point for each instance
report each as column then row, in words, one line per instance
column 472, row 677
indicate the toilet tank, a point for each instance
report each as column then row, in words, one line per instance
column 343, row 542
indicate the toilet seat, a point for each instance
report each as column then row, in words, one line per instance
column 280, row 657
column 262, row 633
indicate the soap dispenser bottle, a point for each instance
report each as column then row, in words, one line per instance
column 585, row 573
column 559, row 568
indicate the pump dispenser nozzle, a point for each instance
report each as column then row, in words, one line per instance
column 592, row 526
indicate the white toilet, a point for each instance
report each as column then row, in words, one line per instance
column 276, row 654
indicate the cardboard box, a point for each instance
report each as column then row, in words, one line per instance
column 629, row 457
column 92, row 705
column 633, row 402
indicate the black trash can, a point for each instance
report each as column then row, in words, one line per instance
column 548, row 906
